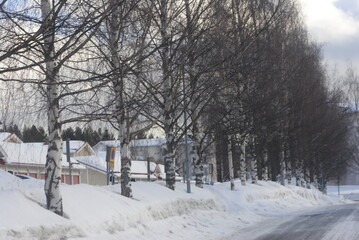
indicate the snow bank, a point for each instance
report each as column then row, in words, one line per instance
column 345, row 192
column 155, row 212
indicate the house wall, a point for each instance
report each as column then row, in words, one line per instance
column 12, row 140
column 82, row 153
column 93, row 177
column 155, row 153
column 38, row 172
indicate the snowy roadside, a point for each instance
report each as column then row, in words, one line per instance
column 156, row 212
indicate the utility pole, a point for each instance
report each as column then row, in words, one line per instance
column 282, row 182
column 230, row 163
column 188, row 178
column 68, row 158
column 148, row 170
column 107, row 164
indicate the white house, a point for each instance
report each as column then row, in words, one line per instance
column 96, row 166
column 30, row 159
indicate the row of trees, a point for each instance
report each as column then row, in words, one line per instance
column 239, row 73
column 38, row 134
column 277, row 113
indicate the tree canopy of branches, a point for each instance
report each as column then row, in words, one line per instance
column 243, row 73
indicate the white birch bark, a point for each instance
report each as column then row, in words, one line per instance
column 289, row 171
column 54, row 153
column 265, row 164
column 126, row 187
column 302, row 181
column 198, row 166
column 298, row 171
column 253, row 165
column 282, row 167
column 230, row 164
column 242, row 163
column 307, row 178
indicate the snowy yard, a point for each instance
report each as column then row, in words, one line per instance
column 155, row 212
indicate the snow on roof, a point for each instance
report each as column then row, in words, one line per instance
column 4, row 136
column 3, row 154
column 109, row 143
column 30, row 153
column 147, row 142
column 75, row 146
column 98, row 161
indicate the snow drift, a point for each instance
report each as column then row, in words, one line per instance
column 94, row 212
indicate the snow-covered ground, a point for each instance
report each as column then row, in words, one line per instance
column 344, row 192
column 155, row 212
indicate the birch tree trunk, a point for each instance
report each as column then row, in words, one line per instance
column 126, row 187
column 306, row 177
column 299, row 172
column 230, row 164
column 54, row 153
column 169, row 154
column 254, row 166
column 121, row 113
column 242, row 163
column 265, row 164
column 289, row 171
column 282, row 166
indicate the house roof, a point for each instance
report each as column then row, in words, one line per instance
column 147, row 142
column 30, row 154
column 76, row 146
column 3, row 154
column 108, row 143
column 6, row 136
column 98, row 161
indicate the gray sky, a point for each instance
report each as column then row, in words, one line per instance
column 335, row 23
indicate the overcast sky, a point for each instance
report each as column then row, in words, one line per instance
column 335, row 23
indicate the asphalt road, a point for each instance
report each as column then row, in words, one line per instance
column 331, row 223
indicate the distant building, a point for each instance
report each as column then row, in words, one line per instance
column 78, row 148
column 101, row 146
column 153, row 149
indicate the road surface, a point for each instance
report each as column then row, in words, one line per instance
column 330, row 223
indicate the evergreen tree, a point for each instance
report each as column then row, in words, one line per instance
column 16, row 131
column 79, row 134
column 42, row 136
column 26, row 136
column 107, row 135
column 33, row 134
column 68, row 133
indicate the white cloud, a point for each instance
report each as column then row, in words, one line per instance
column 328, row 23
